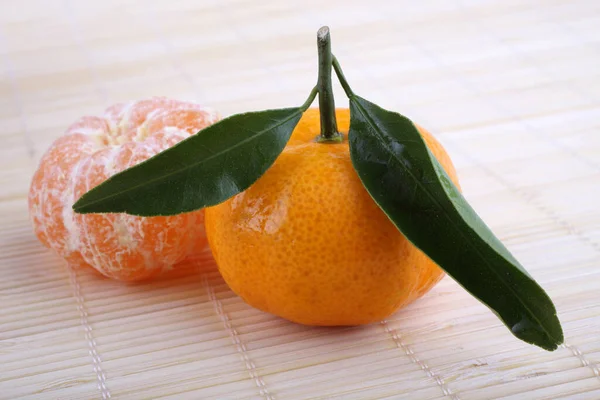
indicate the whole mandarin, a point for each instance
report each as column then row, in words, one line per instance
column 306, row 241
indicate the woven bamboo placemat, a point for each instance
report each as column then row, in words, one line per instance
column 510, row 87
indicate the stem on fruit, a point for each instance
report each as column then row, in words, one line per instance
column 342, row 78
column 329, row 131
column 310, row 99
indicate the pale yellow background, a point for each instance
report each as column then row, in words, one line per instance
column 510, row 87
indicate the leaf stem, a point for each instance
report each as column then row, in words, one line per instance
column 342, row 78
column 329, row 131
column 310, row 99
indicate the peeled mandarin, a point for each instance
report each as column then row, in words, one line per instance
column 120, row 246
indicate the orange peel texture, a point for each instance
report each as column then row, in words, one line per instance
column 307, row 242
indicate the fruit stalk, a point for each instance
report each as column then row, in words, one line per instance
column 329, row 131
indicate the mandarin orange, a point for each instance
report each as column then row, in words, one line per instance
column 306, row 241
column 120, row 246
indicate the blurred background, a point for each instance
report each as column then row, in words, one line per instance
column 510, row 87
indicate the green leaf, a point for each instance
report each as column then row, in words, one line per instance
column 412, row 188
column 217, row 163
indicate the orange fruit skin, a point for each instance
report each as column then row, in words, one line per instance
column 120, row 246
column 306, row 241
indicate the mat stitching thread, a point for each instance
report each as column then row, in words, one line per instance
column 584, row 361
column 89, row 334
column 396, row 337
column 235, row 337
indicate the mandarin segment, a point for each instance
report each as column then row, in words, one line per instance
column 307, row 242
column 93, row 149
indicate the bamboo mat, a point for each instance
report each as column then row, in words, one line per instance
column 510, row 87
